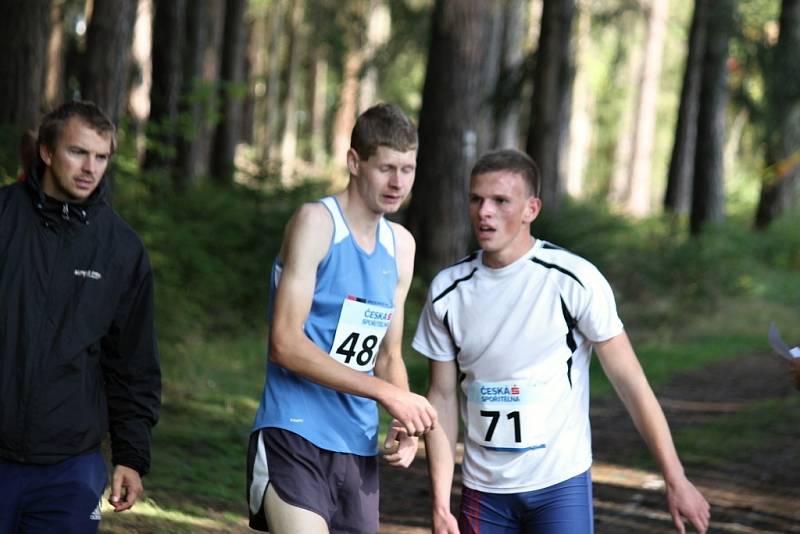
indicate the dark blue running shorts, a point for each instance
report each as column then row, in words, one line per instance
column 564, row 508
column 340, row 487
column 63, row 497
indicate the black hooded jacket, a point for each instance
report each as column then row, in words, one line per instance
column 78, row 355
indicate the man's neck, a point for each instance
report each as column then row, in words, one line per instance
column 362, row 221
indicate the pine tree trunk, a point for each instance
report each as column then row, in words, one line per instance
column 25, row 27
column 54, row 73
column 708, row 194
column 677, row 198
column 640, row 171
column 293, row 88
column 507, row 102
column 379, row 24
column 451, row 102
column 551, row 88
column 345, row 117
column 226, row 135
column 779, row 190
column 188, row 160
column 168, row 41
column 106, row 64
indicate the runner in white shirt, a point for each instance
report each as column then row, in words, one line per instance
column 509, row 332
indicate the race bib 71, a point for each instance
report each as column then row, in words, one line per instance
column 504, row 416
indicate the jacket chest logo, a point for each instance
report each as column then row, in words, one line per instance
column 94, row 275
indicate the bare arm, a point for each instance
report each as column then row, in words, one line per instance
column 389, row 365
column 440, row 443
column 622, row 367
column 305, row 244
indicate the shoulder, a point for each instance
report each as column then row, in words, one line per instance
column 406, row 245
column 308, row 232
column 312, row 213
column 311, row 218
column 12, row 192
column 574, row 267
column 450, row 277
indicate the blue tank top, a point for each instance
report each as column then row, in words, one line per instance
column 350, row 311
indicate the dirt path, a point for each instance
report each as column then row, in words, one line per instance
column 759, row 496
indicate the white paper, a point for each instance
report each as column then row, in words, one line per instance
column 779, row 346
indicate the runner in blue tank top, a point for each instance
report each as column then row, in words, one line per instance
column 337, row 294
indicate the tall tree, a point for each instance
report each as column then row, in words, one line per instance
column 271, row 102
column 708, row 193
column 552, row 82
column 228, row 128
column 576, row 155
column 492, row 62
column 681, row 166
column 25, row 26
column 106, row 64
column 168, row 39
column 637, row 199
column 141, row 57
column 54, row 75
column 379, row 25
column 318, row 99
column 451, row 101
column 297, row 40
column 507, row 97
column 345, row 117
column 190, row 104
column 779, row 189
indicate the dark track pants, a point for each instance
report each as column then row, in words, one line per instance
column 62, row 497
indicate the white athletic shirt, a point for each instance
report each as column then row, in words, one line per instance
column 522, row 339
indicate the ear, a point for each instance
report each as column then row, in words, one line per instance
column 532, row 210
column 353, row 162
column 46, row 154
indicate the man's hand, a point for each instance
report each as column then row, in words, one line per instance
column 685, row 501
column 444, row 522
column 413, row 412
column 403, row 454
column 126, row 485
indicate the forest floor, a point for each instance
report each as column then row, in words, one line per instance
column 759, row 495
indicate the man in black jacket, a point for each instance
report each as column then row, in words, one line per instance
column 78, row 355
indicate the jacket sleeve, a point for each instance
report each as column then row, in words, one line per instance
column 132, row 371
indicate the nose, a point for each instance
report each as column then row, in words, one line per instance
column 89, row 164
column 484, row 208
column 396, row 179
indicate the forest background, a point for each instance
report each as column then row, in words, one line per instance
column 668, row 133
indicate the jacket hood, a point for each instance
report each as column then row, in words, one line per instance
column 55, row 211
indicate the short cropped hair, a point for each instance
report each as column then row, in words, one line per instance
column 383, row 125
column 508, row 159
column 54, row 122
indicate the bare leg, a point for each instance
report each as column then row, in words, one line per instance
column 283, row 518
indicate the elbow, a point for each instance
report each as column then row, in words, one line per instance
column 279, row 349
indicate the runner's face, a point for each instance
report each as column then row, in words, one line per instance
column 385, row 179
column 501, row 210
column 77, row 163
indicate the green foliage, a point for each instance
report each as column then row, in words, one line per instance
column 653, row 264
column 211, row 249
